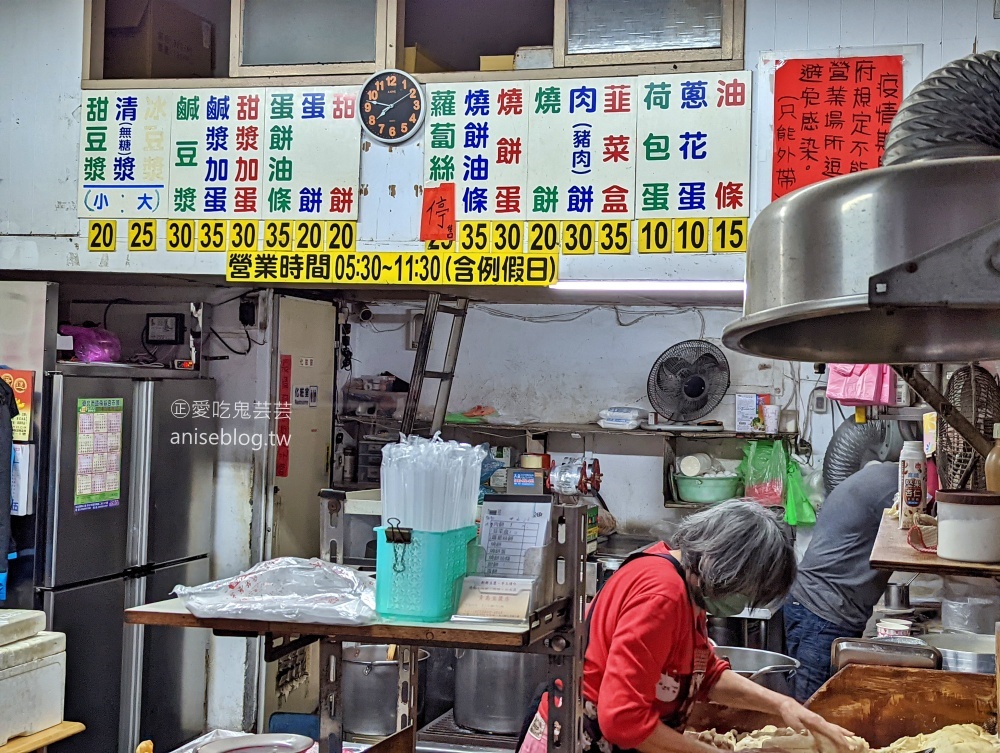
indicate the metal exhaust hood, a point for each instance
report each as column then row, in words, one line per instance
column 900, row 264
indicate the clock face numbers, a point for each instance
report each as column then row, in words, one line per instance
column 391, row 106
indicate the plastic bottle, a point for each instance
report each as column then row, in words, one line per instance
column 993, row 462
column 912, row 483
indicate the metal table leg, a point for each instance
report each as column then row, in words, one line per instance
column 331, row 710
column 406, row 697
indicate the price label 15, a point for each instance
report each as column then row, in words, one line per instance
column 474, row 237
column 308, row 236
column 243, row 235
column 508, row 237
column 543, row 237
column 341, row 236
column 577, row 237
column 654, row 236
column 729, row 235
column 142, row 235
column 614, row 237
column 212, row 235
column 690, row 236
column 439, row 246
column 278, row 235
column 101, row 235
column 180, row 235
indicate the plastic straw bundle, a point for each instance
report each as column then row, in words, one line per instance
column 430, row 484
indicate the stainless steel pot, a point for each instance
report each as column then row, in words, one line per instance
column 767, row 668
column 369, row 687
column 493, row 688
column 965, row 652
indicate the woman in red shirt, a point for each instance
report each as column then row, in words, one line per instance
column 648, row 657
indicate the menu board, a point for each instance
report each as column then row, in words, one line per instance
column 98, row 453
column 216, row 163
column 831, row 117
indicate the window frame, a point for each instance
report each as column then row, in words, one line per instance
column 730, row 51
column 389, row 53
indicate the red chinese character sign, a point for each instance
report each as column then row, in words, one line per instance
column 831, row 117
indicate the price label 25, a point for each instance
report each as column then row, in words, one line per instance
column 101, row 235
column 142, row 235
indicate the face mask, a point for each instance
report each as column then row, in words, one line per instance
column 725, row 606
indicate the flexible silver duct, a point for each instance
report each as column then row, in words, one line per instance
column 853, row 446
column 954, row 112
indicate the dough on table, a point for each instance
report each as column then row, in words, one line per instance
column 958, row 738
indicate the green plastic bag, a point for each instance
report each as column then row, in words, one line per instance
column 798, row 510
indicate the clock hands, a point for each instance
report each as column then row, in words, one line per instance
column 389, row 106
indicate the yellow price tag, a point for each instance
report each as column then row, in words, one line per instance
column 543, row 237
column 341, row 236
column 180, row 235
column 474, row 237
column 729, row 235
column 690, row 236
column 212, row 235
column 439, row 246
column 243, row 235
column 614, row 237
column 654, row 236
column 101, row 235
column 577, row 237
column 308, row 236
column 508, row 237
column 278, row 235
column 142, row 235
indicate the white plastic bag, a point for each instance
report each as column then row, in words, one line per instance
column 287, row 589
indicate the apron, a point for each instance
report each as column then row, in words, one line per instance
column 534, row 735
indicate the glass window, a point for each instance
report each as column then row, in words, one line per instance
column 600, row 26
column 308, row 32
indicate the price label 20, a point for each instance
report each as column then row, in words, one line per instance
column 101, row 235
column 543, row 237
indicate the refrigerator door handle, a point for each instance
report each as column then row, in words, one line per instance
column 133, row 639
column 141, row 452
column 55, row 477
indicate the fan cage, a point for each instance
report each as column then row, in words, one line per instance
column 975, row 394
column 674, row 367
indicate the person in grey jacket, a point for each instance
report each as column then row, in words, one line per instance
column 836, row 588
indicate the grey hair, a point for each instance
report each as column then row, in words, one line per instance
column 738, row 547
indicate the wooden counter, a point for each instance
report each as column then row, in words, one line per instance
column 491, row 635
column 892, row 552
column 39, row 740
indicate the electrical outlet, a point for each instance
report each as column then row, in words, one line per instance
column 820, row 402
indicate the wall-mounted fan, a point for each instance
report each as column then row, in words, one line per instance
column 688, row 381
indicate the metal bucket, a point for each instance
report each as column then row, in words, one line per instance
column 766, row 668
column 369, row 686
column 493, row 689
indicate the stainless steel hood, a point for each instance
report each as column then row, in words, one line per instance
column 900, row 264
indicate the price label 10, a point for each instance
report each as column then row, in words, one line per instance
column 654, row 236
column 690, row 236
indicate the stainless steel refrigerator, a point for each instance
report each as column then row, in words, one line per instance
column 128, row 516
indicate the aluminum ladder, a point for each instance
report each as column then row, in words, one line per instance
column 458, row 308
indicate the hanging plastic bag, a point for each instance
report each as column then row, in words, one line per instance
column 798, row 510
column 861, row 384
column 764, row 468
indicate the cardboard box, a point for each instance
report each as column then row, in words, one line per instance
column 156, row 39
column 415, row 60
column 496, row 62
column 749, row 411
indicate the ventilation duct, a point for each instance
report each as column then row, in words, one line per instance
column 899, row 264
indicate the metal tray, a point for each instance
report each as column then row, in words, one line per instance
column 884, row 652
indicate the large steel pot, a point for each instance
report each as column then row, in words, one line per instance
column 493, row 689
column 965, row 652
column 771, row 670
column 369, row 688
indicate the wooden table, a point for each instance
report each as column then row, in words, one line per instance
column 892, row 552
column 487, row 635
column 39, row 740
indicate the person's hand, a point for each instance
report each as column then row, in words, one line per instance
column 799, row 718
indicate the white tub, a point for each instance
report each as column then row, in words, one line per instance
column 968, row 526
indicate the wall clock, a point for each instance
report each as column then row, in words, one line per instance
column 391, row 106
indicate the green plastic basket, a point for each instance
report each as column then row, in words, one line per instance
column 421, row 580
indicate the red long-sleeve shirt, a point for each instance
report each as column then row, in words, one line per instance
column 641, row 654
